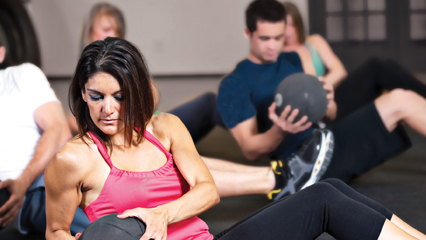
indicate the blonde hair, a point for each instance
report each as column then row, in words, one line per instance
column 109, row 10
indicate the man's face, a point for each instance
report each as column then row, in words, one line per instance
column 267, row 41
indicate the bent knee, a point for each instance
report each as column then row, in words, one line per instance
column 403, row 97
column 209, row 98
column 321, row 191
column 334, row 181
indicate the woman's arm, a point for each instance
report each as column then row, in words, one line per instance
column 63, row 195
column 203, row 194
column 331, row 113
column 336, row 71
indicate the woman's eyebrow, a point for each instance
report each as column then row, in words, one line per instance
column 94, row 91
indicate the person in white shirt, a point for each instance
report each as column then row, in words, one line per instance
column 32, row 128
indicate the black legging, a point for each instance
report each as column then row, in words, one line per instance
column 368, row 81
column 199, row 115
column 328, row 206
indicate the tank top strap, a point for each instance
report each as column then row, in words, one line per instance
column 316, row 60
column 102, row 149
column 155, row 141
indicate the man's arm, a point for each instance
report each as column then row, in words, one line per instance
column 255, row 145
column 51, row 120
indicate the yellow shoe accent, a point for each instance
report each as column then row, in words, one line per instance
column 274, row 165
column 269, row 195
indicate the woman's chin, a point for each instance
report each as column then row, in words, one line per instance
column 109, row 130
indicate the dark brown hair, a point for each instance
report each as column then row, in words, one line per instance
column 263, row 10
column 294, row 13
column 124, row 62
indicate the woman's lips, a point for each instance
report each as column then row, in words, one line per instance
column 109, row 121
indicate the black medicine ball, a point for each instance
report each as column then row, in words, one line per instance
column 110, row 227
column 304, row 92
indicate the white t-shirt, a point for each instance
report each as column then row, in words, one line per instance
column 23, row 89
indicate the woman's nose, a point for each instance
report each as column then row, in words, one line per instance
column 108, row 108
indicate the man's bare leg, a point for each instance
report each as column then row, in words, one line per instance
column 228, row 166
column 233, row 179
column 402, row 105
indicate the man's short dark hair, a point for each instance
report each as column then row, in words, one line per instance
column 264, row 10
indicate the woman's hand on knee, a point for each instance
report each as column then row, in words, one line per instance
column 155, row 220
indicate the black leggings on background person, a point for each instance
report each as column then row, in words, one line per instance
column 369, row 80
column 199, row 115
column 328, row 206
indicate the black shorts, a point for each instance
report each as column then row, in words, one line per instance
column 361, row 142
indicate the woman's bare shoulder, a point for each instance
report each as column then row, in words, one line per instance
column 317, row 41
column 164, row 125
column 314, row 38
column 164, row 118
column 76, row 154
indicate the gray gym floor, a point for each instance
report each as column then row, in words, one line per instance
column 397, row 184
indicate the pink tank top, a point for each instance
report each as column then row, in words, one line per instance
column 127, row 190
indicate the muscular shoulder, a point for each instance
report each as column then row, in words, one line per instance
column 164, row 126
column 163, row 120
column 74, row 157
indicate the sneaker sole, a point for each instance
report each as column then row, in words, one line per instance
column 323, row 160
column 320, row 166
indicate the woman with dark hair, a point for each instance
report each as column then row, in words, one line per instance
column 372, row 79
column 126, row 160
column 199, row 114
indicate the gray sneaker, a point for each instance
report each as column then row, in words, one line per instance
column 306, row 166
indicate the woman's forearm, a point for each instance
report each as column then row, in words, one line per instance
column 59, row 235
column 336, row 76
column 199, row 199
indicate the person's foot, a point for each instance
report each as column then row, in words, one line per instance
column 305, row 167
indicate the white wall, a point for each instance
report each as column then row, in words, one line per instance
column 176, row 36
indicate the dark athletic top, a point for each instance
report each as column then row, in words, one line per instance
column 249, row 90
column 125, row 190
